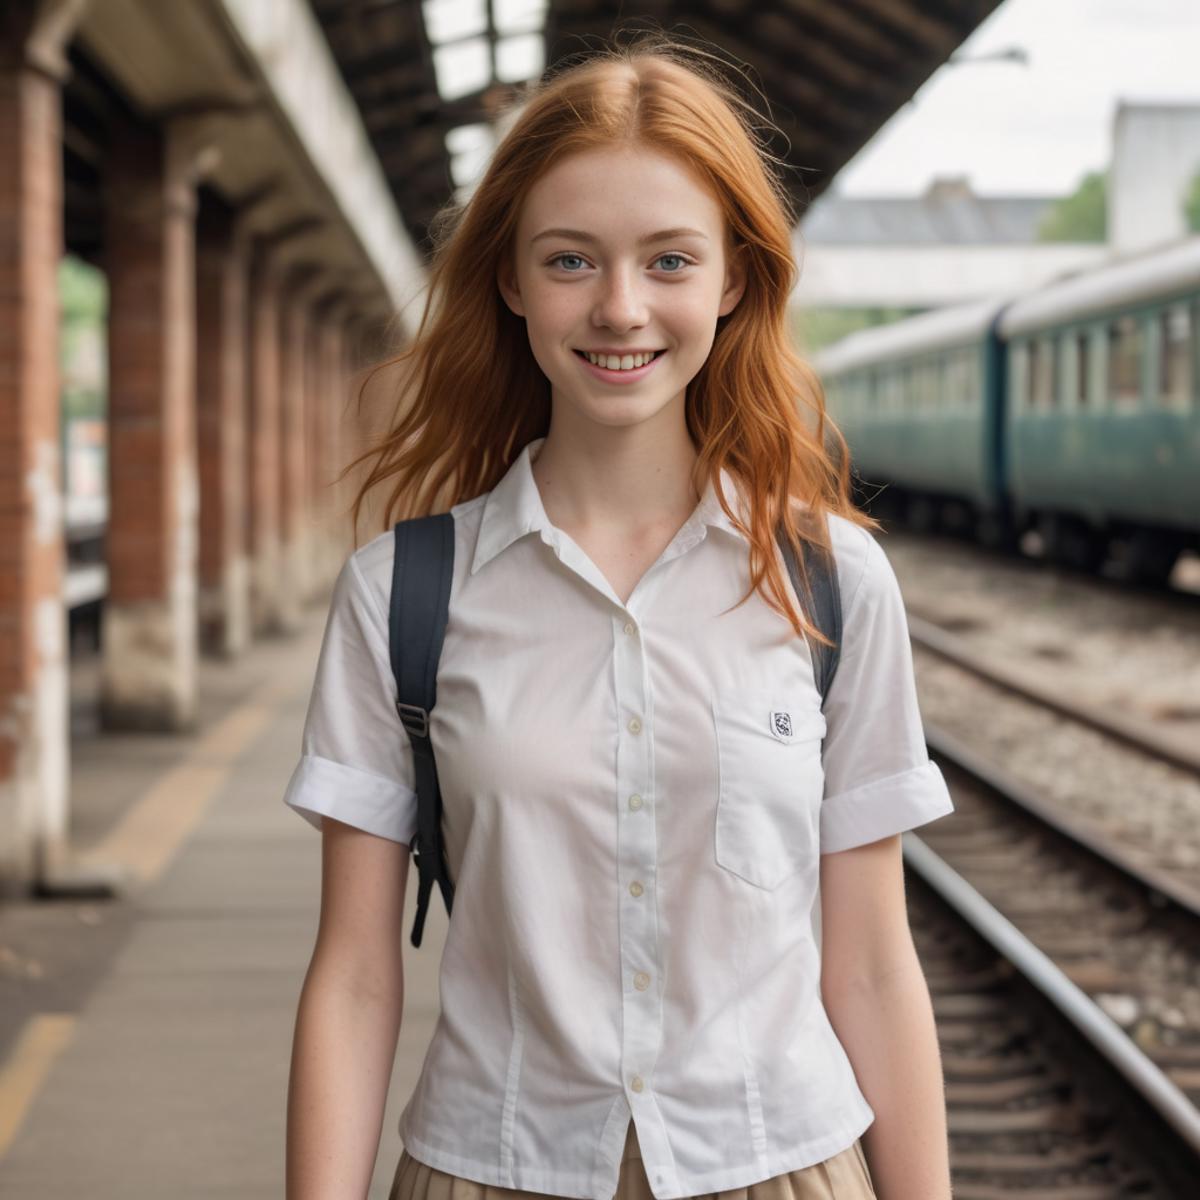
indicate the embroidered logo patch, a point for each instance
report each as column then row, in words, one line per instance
column 781, row 725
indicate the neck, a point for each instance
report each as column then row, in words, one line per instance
column 620, row 480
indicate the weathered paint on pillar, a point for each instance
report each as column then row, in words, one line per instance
column 222, row 266
column 34, row 740
column 149, row 628
column 263, row 452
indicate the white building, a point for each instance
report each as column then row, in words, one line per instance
column 944, row 247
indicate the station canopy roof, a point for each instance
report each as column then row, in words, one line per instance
column 429, row 75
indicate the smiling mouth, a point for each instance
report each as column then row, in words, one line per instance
column 657, row 354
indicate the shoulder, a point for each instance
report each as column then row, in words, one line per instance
column 368, row 569
column 864, row 573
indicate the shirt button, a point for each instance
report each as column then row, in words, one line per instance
column 629, row 626
column 635, row 801
column 635, row 726
column 641, row 981
column 636, row 1083
column 636, row 888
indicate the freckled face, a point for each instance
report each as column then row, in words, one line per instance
column 616, row 281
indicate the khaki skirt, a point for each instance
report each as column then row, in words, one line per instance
column 842, row 1177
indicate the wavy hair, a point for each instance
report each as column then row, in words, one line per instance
column 755, row 408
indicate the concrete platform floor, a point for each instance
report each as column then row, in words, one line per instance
column 145, row 1041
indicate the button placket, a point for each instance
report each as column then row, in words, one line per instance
column 637, row 857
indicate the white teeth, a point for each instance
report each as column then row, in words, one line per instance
column 625, row 362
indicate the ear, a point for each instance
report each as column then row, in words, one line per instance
column 735, row 281
column 506, row 281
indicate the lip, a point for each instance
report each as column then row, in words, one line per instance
column 630, row 376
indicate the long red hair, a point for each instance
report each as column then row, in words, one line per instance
column 755, row 408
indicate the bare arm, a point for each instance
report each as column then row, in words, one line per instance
column 878, row 1003
column 348, row 1018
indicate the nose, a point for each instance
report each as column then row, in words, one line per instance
column 620, row 304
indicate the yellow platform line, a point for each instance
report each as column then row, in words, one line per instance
column 42, row 1040
column 145, row 841
column 151, row 831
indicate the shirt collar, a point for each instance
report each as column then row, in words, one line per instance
column 514, row 508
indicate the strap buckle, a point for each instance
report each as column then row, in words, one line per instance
column 414, row 718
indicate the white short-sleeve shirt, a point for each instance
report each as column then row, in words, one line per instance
column 635, row 800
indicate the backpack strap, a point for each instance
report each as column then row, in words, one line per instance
column 422, row 571
column 826, row 605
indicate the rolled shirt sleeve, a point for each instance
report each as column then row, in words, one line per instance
column 356, row 760
column 879, row 779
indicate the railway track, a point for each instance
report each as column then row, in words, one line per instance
column 1033, row 1108
column 1104, row 931
column 1138, row 733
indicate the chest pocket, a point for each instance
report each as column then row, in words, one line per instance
column 770, row 783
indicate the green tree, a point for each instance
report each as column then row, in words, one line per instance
column 83, row 304
column 1191, row 205
column 1080, row 217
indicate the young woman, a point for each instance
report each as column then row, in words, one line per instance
column 644, row 797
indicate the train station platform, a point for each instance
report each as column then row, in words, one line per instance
column 147, row 1039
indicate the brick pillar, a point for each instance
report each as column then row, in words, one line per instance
column 332, row 416
column 293, row 493
column 263, row 449
column 316, row 447
column 222, row 266
column 349, row 441
column 149, row 628
column 357, row 369
column 356, row 424
column 34, row 745
column 327, row 413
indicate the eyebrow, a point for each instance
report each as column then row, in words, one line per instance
column 579, row 236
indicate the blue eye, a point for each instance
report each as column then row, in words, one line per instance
column 684, row 262
column 560, row 256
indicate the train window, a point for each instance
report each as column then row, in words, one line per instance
column 947, row 388
column 1125, row 362
column 972, row 377
column 1175, row 335
column 890, row 390
column 1081, row 343
column 1018, row 378
column 1043, row 361
column 955, row 378
column 929, row 384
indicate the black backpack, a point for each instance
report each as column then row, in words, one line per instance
column 420, row 600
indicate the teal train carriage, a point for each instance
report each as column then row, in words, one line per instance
column 1072, row 411
column 920, row 402
column 1103, row 425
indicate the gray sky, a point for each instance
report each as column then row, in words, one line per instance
column 1036, row 129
